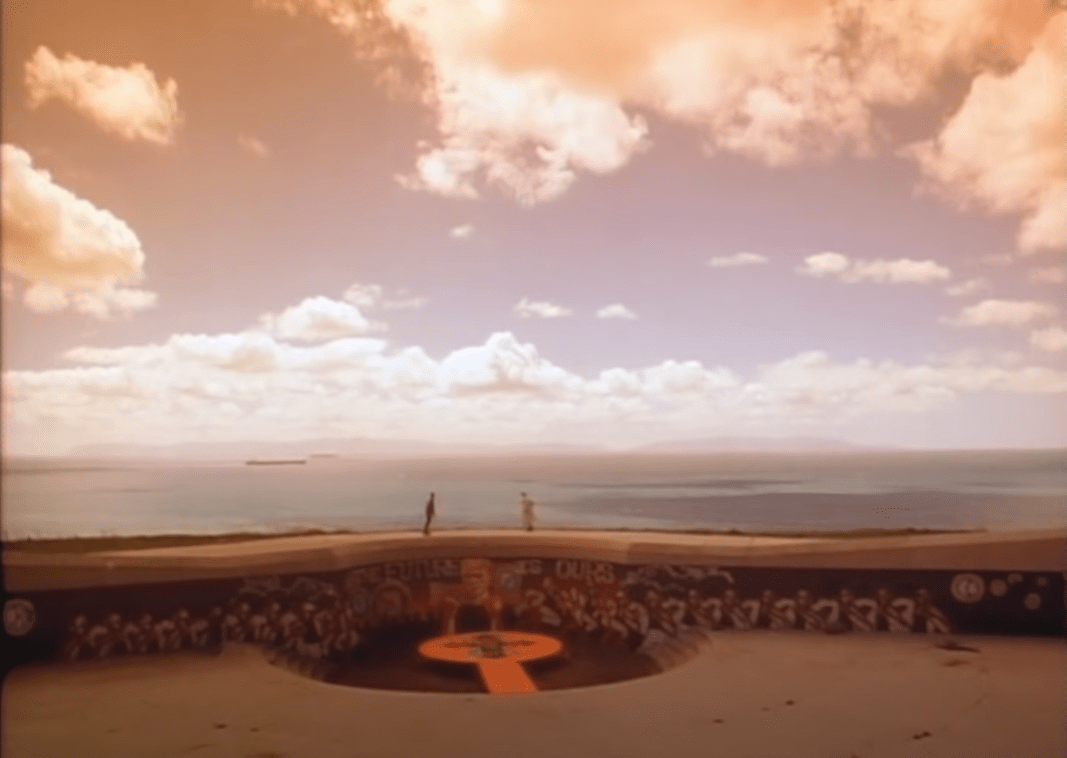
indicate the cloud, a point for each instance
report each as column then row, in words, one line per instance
column 319, row 319
column 74, row 254
column 256, row 385
column 254, row 146
column 826, row 264
column 124, row 101
column 968, row 287
column 364, row 295
column 540, row 309
column 502, row 365
column 738, row 259
column 616, row 310
column 1049, row 275
column 1004, row 146
column 1051, row 339
column 529, row 95
column 371, row 296
column 404, row 300
column 462, row 232
column 900, row 271
column 1004, row 313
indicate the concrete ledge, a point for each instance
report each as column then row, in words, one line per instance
column 1039, row 550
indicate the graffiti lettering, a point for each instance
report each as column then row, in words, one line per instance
column 599, row 572
column 413, row 571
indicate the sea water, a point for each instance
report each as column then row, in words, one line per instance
column 754, row 492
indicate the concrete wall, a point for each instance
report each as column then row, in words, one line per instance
column 278, row 598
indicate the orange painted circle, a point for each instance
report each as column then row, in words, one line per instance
column 504, row 646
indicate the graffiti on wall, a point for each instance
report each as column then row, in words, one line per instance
column 327, row 616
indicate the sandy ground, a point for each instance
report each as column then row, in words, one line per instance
column 747, row 694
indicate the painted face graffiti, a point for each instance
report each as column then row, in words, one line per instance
column 327, row 618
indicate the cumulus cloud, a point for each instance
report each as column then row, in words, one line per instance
column 502, row 364
column 256, row 385
column 616, row 310
column 317, row 319
column 539, row 309
column 126, row 101
column 1051, row 339
column 737, row 259
column 371, row 296
column 528, row 95
column 1004, row 147
column 462, row 232
column 73, row 254
column 1004, row 313
column 968, row 287
column 900, row 271
column 254, row 146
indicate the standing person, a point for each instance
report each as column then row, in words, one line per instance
column 430, row 511
column 527, row 512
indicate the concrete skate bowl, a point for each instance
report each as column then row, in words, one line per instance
column 389, row 659
column 602, row 626
column 354, row 610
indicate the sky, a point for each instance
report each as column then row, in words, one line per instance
column 527, row 221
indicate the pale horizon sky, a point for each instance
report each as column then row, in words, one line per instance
column 521, row 221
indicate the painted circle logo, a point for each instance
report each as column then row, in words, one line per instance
column 1032, row 601
column 19, row 617
column 998, row 587
column 968, row 588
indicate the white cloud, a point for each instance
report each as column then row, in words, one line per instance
column 616, row 310
column 968, row 287
column 1049, row 275
column 404, row 300
column 528, row 95
column 1004, row 147
column 364, row 295
column 540, row 309
column 254, row 146
column 371, row 296
column 737, row 259
column 318, row 319
column 900, row 271
column 502, row 364
column 462, row 232
column 826, row 264
column 1051, row 339
column 1004, row 313
column 72, row 253
column 44, row 298
column 253, row 385
column 125, row 101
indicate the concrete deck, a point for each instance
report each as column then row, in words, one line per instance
column 746, row 694
column 751, row 695
column 1037, row 550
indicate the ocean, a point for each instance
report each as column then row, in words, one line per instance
column 748, row 492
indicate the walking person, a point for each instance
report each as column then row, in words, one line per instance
column 527, row 512
column 430, row 512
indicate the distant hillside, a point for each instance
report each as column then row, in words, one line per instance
column 758, row 445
